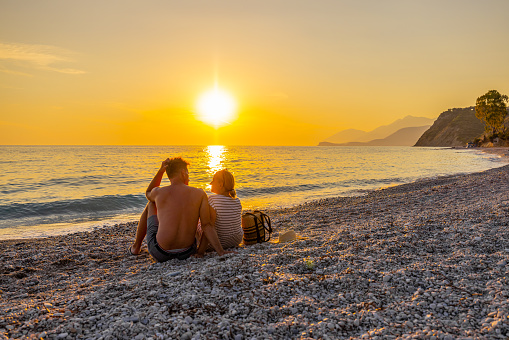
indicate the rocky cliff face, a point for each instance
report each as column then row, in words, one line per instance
column 454, row 127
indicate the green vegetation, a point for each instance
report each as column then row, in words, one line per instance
column 310, row 264
column 491, row 108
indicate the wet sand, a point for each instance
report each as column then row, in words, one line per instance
column 500, row 151
column 425, row 260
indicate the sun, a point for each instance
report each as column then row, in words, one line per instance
column 216, row 107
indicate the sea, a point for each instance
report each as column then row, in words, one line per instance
column 54, row 190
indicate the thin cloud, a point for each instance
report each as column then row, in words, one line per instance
column 3, row 69
column 43, row 57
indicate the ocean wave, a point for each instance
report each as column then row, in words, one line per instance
column 87, row 206
column 351, row 183
column 69, row 182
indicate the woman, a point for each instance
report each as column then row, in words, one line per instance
column 225, row 212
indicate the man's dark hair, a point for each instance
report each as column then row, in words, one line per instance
column 175, row 165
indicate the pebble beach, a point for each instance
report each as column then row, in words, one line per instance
column 425, row 260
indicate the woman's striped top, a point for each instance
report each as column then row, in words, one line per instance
column 228, row 220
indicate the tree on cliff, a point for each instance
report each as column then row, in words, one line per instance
column 492, row 109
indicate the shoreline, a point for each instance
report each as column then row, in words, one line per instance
column 427, row 259
column 503, row 152
column 89, row 226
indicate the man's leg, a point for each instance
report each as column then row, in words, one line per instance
column 150, row 209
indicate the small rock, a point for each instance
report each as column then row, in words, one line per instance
column 132, row 319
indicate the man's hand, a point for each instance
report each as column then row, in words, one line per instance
column 164, row 164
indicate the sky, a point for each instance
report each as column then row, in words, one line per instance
column 131, row 72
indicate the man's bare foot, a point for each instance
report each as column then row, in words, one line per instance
column 134, row 251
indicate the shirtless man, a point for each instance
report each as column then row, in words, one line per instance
column 171, row 227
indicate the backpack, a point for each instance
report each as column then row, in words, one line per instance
column 257, row 227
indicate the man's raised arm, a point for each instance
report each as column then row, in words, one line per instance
column 156, row 181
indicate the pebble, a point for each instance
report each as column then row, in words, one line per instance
column 402, row 262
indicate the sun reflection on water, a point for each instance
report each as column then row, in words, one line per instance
column 216, row 155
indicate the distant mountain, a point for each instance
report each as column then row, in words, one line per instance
column 403, row 137
column 352, row 135
column 454, row 127
column 348, row 135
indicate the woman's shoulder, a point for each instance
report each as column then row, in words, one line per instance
column 221, row 199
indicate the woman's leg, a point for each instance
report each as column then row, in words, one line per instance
column 204, row 243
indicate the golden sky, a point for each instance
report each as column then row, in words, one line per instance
column 131, row 72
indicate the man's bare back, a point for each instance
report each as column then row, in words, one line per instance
column 178, row 216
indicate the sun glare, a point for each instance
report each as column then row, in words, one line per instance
column 216, row 108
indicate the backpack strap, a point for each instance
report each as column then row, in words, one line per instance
column 265, row 219
column 258, row 237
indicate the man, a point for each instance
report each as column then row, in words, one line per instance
column 170, row 218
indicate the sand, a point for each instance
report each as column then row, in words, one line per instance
column 422, row 260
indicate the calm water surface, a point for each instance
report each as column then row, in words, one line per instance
column 48, row 190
